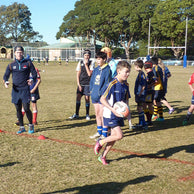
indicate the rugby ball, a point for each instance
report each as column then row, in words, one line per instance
column 121, row 108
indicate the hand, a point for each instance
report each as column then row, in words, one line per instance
column 6, row 84
column 80, row 88
column 30, row 81
column 86, row 61
column 115, row 113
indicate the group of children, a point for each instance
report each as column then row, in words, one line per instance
column 150, row 91
column 106, row 84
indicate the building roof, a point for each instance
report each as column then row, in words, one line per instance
column 70, row 42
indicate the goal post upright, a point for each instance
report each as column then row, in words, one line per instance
column 169, row 47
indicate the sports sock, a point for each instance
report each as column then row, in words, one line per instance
column 188, row 115
column 150, row 115
column 142, row 118
column 155, row 110
column 87, row 108
column 23, row 112
column 35, row 113
column 160, row 111
column 105, row 131
column 78, row 103
column 99, row 129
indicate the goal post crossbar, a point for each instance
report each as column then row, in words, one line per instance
column 170, row 47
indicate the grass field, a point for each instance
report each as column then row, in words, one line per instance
column 159, row 160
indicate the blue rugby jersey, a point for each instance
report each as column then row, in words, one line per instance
column 20, row 73
column 139, row 83
column 101, row 76
column 115, row 92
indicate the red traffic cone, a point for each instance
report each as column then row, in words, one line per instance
column 42, row 137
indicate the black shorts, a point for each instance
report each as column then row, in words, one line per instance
column 139, row 99
column 35, row 96
column 23, row 95
column 149, row 96
column 85, row 91
column 159, row 95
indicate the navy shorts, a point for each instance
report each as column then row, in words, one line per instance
column 35, row 96
column 113, row 122
column 192, row 100
column 23, row 95
column 85, row 91
column 159, row 95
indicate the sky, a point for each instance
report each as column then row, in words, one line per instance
column 46, row 15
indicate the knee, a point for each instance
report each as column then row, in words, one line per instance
column 120, row 136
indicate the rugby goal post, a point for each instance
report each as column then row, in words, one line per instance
column 170, row 47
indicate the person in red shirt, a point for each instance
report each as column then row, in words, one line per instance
column 191, row 108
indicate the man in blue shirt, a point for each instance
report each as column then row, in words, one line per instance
column 21, row 69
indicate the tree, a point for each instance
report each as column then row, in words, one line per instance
column 15, row 21
column 116, row 22
column 169, row 22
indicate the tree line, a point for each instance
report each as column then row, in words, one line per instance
column 118, row 23
column 125, row 23
column 15, row 25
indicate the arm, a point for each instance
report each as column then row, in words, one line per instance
column 78, row 83
column 107, row 79
column 78, row 72
column 6, row 76
column 87, row 68
column 36, row 86
column 33, row 71
column 37, row 82
column 106, row 104
column 191, row 87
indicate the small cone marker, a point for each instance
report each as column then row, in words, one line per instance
column 1, row 131
column 42, row 137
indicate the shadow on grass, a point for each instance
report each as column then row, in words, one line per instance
column 162, row 153
column 110, row 187
column 169, row 123
column 172, row 121
column 67, row 126
column 174, row 104
column 8, row 164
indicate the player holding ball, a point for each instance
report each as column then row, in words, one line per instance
column 117, row 90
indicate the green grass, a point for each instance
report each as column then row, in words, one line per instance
column 149, row 162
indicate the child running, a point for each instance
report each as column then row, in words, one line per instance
column 166, row 76
column 117, row 90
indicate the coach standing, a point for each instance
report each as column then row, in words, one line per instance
column 21, row 69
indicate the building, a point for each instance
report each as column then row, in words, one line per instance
column 70, row 47
column 6, row 53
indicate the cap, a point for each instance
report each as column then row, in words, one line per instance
column 148, row 64
column 107, row 51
